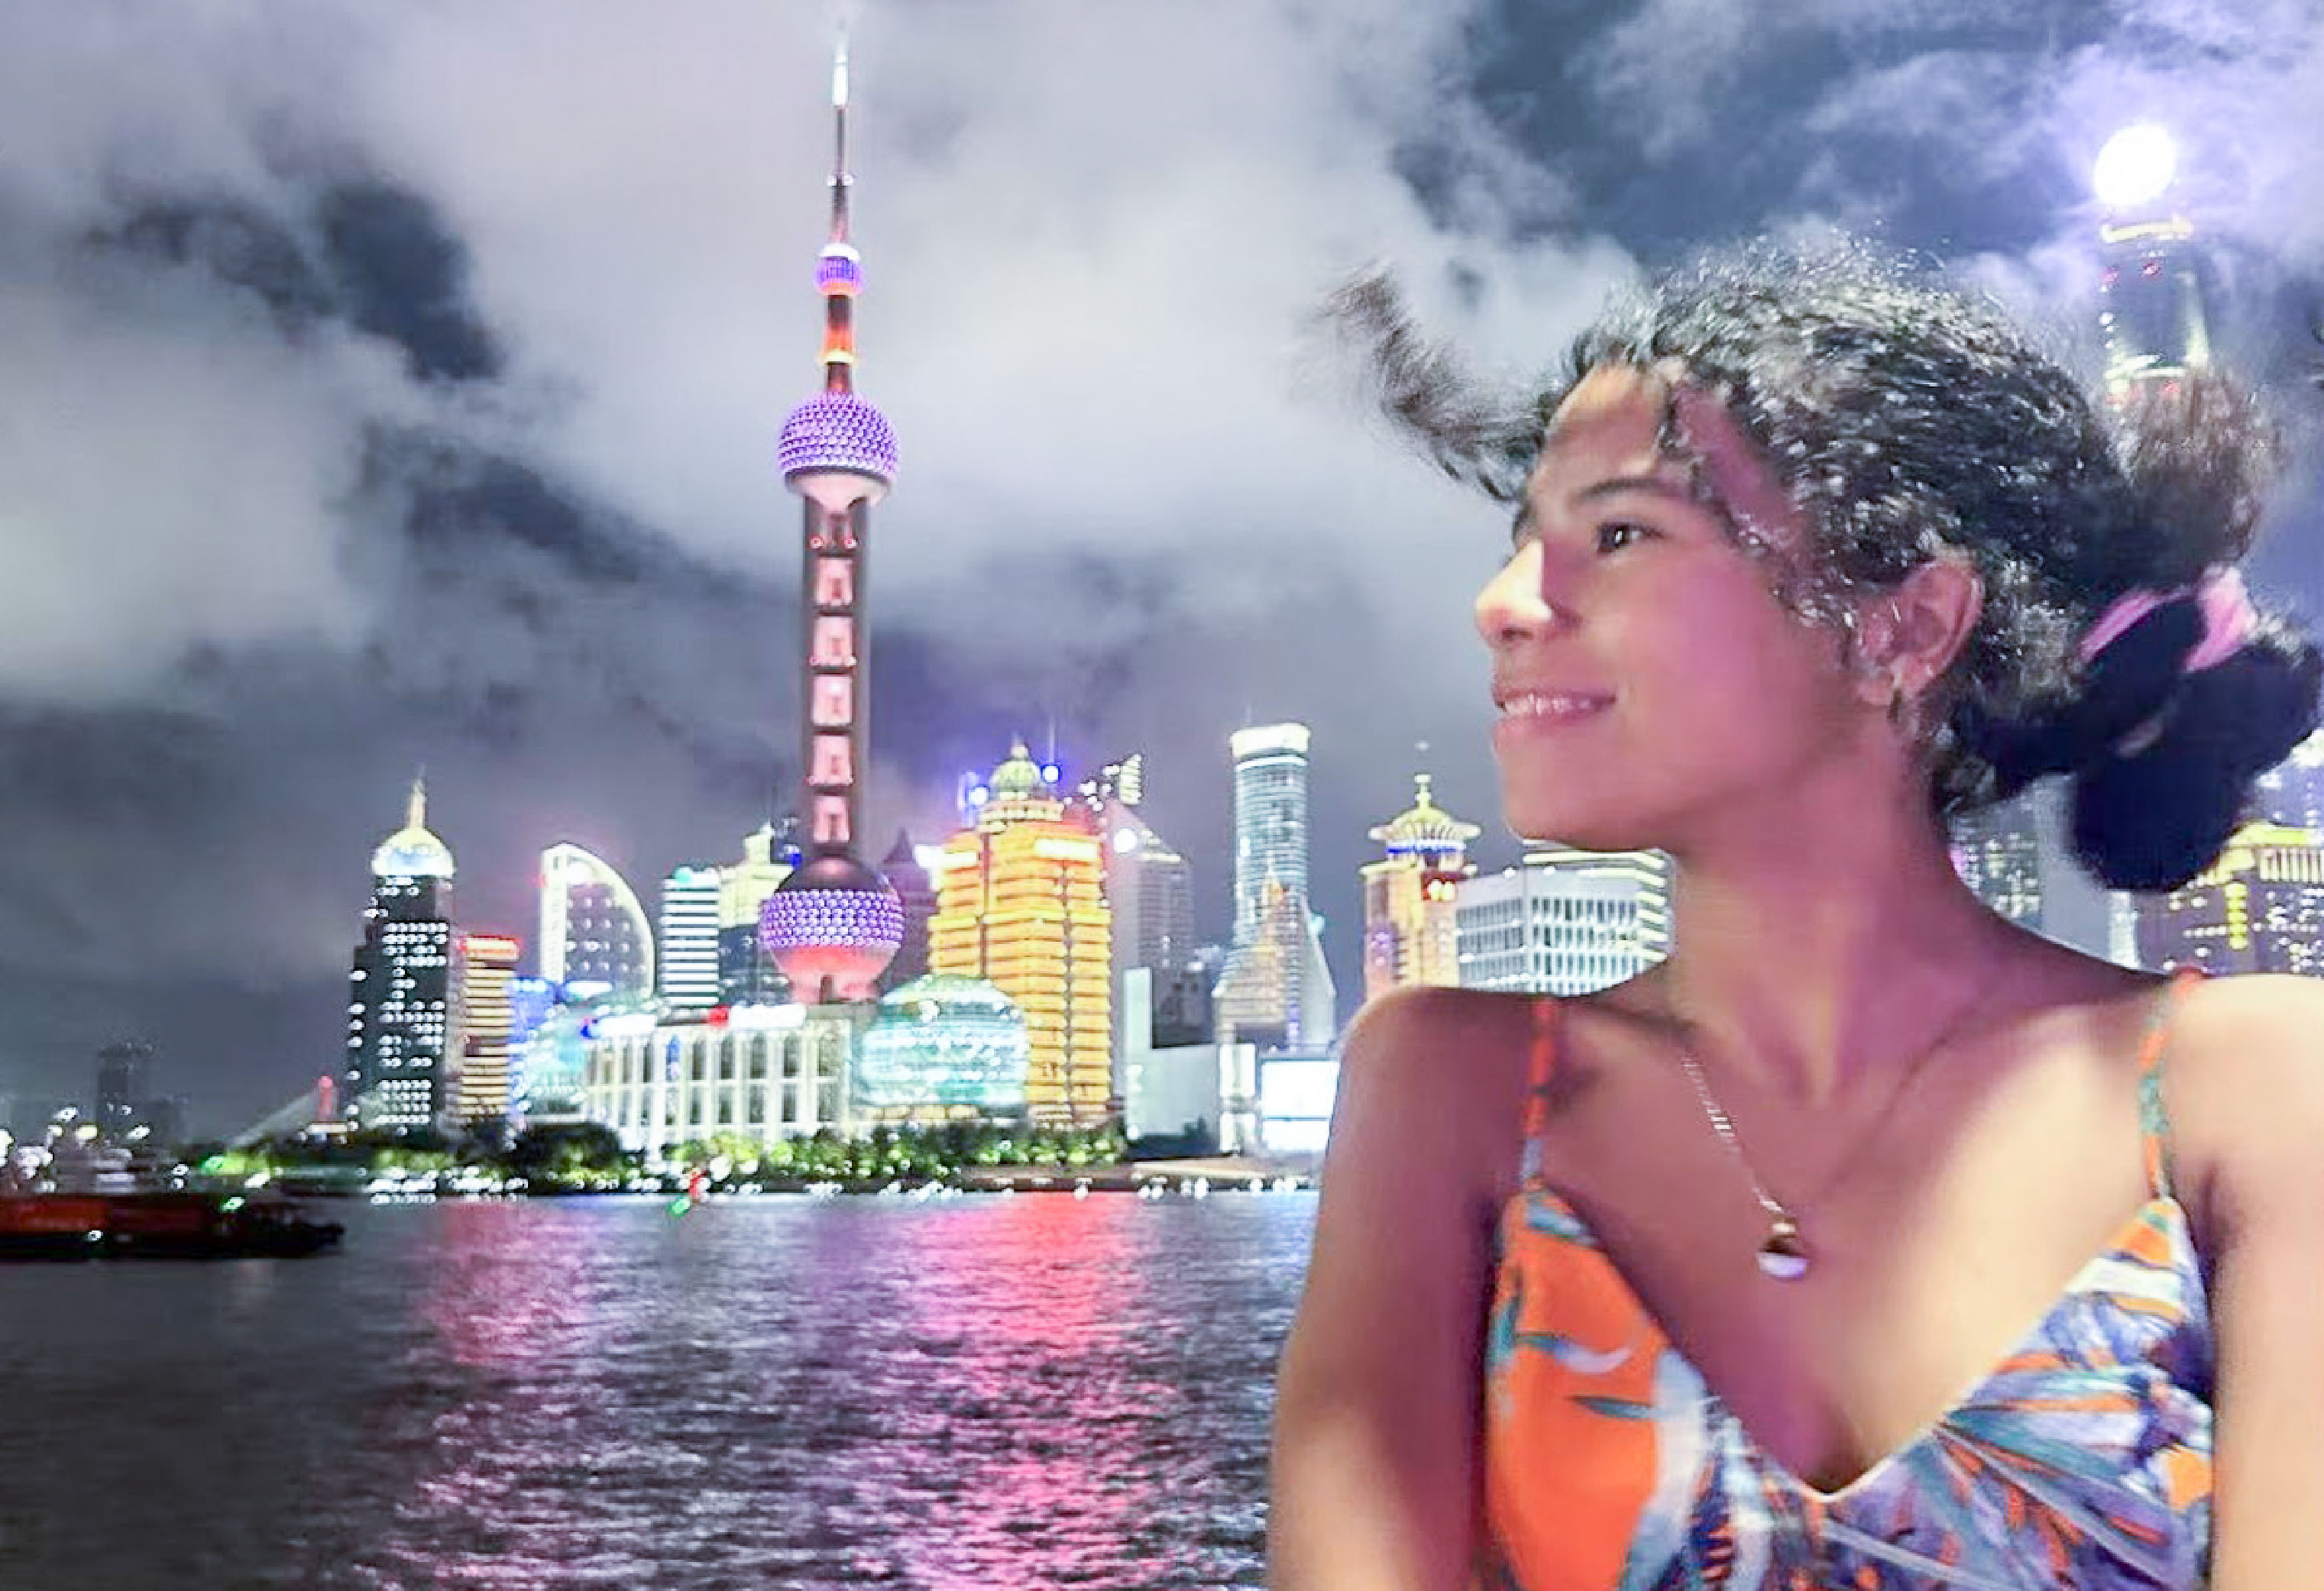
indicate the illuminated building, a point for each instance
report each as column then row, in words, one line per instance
column 757, row 1072
column 1020, row 903
column 121, row 1083
column 1150, row 891
column 834, row 924
column 942, row 1048
column 400, row 1071
column 2259, row 908
column 1411, row 935
column 2018, row 858
column 1276, row 988
column 552, row 1067
column 1566, row 922
column 916, row 893
column 592, row 929
column 747, row 973
column 482, row 977
column 2291, row 793
column 691, row 898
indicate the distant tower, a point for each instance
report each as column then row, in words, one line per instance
column 1411, row 935
column 482, row 978
column 400, row 1072
column 689, row 939
column 917, row 892
column 1276, row 989
column 834, row 924
column 122, row 1077
column 747, row 974
column 594, row 930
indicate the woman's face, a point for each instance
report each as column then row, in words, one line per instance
column 1652, row 690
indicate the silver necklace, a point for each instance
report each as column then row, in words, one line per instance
column 1783, row 1254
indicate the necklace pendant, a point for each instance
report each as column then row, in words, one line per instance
column 1783, row 1256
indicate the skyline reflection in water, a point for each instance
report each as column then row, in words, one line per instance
column 1022, row 1391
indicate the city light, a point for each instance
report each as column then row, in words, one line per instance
column 2136, row 167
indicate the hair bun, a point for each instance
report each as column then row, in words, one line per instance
column 2154, row 812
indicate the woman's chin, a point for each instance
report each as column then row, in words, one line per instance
column 1569, row 826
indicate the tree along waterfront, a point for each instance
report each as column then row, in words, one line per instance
column 588, row 1157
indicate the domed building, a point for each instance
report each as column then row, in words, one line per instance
column 1411, row 935
column 942, row 1048
column 399, row 1071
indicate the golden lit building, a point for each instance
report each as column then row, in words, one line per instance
column 2259, row 908
column 1020, row 903
column 482, row 973
column 1411, row 935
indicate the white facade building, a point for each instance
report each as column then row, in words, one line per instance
column 1564, row 921
column 765, row 1072
column 689, row 939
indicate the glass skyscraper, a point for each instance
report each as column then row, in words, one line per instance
column 592, row 930
column 1276, row 990
column 689, row 939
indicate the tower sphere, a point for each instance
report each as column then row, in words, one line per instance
column 833, row 923
column 837, row 450
column 2136, row 167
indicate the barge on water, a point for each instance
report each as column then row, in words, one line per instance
column 158, row 1225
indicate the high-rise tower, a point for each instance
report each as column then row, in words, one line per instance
column 834, row 924
column 1276, row 988
column 402, row 1072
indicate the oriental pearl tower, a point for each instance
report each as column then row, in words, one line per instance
column 834, row 924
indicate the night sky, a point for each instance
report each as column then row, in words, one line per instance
column 386, row 386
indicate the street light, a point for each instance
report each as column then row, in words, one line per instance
column 2136, row 167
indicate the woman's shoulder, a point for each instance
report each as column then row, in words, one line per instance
column 2243, row 1064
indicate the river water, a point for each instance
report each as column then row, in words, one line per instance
column 1019, row 1392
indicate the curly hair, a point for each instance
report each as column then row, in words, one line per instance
column 1906, row 421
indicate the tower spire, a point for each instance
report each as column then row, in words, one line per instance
column 415, row 809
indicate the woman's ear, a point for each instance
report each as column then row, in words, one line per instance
column 1908, row 635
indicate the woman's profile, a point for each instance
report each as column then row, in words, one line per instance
column 1868, row 1241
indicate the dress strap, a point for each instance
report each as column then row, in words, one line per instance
column 2153, row 1116
column 1541, row 1066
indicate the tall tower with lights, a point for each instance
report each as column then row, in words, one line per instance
column 834, row 925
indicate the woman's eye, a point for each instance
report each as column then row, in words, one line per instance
column 1614, row 538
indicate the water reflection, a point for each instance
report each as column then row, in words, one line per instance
column 1023, row 1392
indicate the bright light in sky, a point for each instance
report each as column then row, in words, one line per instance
column 2134, row 167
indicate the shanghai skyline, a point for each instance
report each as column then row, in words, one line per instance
column 425, row 411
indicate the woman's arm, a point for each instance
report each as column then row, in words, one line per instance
column 1375, row 1483
column 2264, row 1062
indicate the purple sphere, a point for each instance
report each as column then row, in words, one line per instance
column 837, row 433
column 832, row 927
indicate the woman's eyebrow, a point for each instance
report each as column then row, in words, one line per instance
column 1658, row 484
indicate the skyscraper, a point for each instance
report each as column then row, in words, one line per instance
column 747, row 973
column 1566, row 922
column 402, row 1072
column 690, row 899
column 1276, row 989
column 592, row 929
column 916, row 892
column 482, row 977
column 1411, row 935
column 834, row 924
column 1020, row 903
column 124, row 1085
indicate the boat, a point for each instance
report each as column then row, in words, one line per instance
column 159, row 1226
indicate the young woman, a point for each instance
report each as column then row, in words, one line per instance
column 1868, row 1241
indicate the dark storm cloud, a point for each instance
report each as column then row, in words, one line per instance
column 396, row 385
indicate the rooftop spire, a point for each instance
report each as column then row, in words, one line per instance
column 415, row 809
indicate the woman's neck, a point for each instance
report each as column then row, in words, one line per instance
column 1808, row 957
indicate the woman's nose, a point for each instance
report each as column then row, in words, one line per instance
column 1514, row 603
